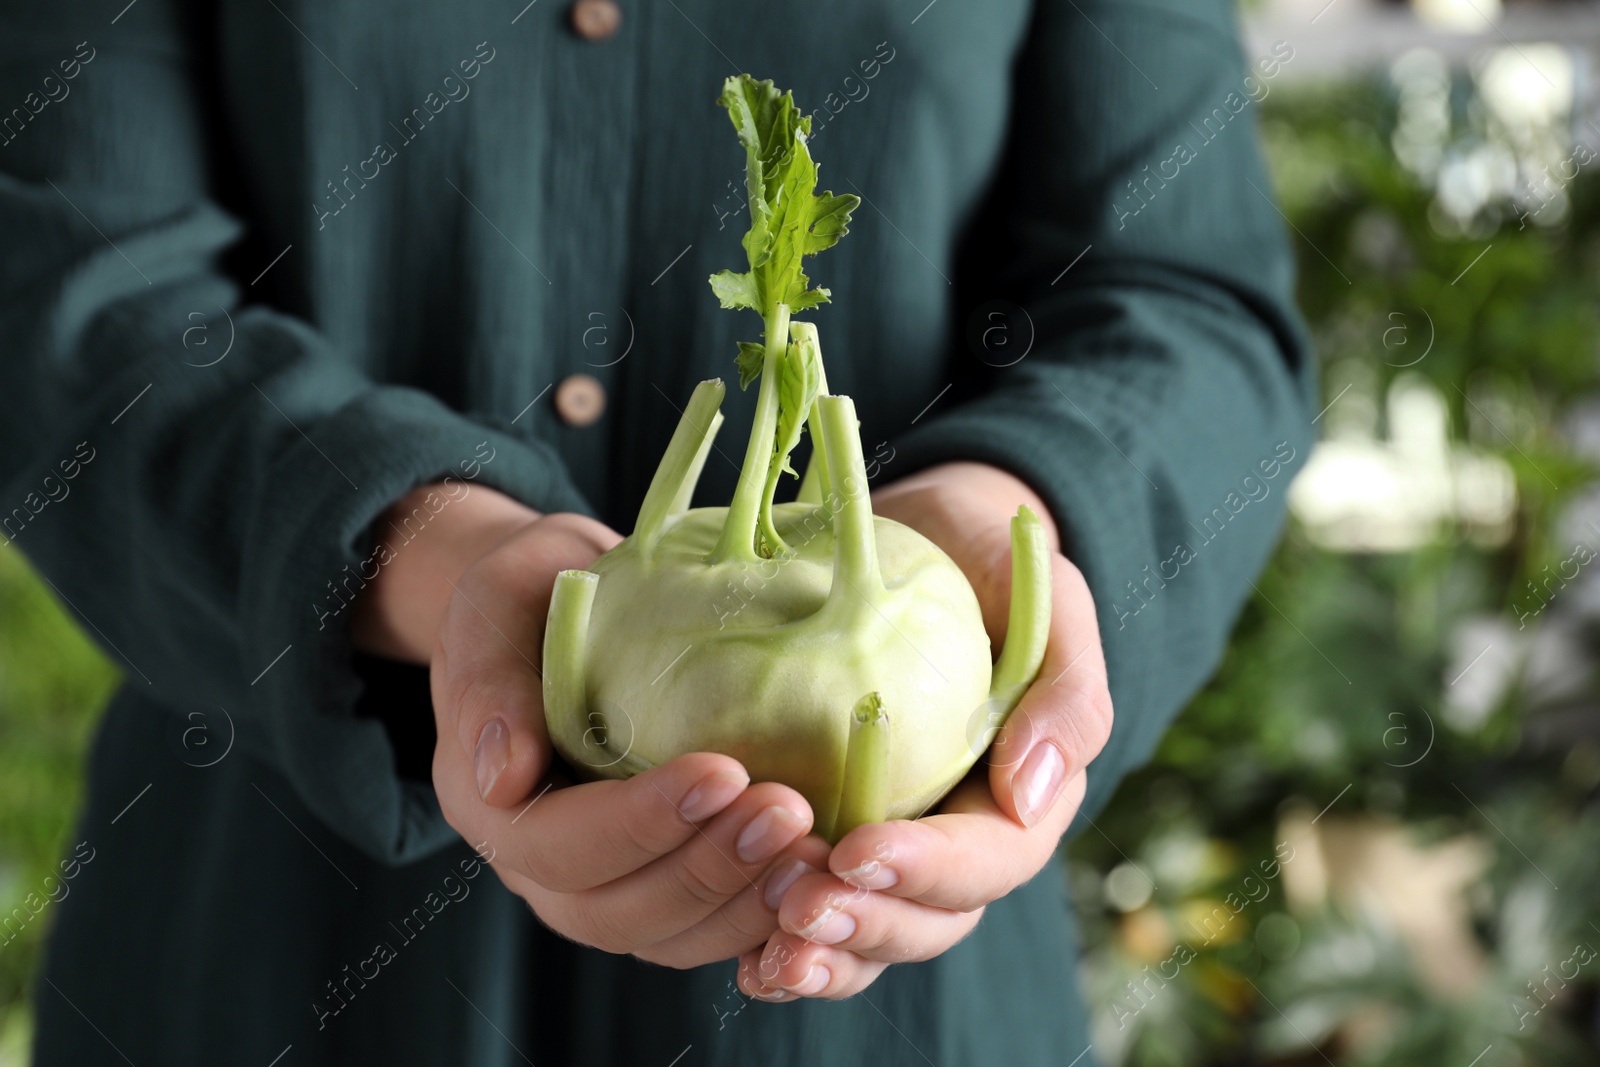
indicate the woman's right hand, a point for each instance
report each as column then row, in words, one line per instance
column 682, row 865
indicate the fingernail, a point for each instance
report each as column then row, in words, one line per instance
column 829, row 928
column 492, row 755
column 773, row 995
column 782, row 878
column 870, row 875
column 715, row 792
column 815, row 981
column 1038, row 783
column 768, row 833
column 758, row 988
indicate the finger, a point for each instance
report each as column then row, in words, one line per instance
column 752, row 986
column 788, row 968
column 576, row 837
column 824, row 910
column 485, row 681
column 745, row 922
column 970, row 854
column 587, row 835
column 678, row 890
column 1064, row 719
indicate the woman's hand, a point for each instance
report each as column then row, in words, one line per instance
column 682, row 865
column 908, row 890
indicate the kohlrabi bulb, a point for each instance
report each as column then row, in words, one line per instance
column 836, row 652
column 770, row 677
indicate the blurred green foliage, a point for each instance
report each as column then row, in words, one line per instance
column 53, row 684
column 1354, row 692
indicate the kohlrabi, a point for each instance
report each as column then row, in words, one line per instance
column 823, row 647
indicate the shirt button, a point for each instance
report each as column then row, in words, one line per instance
column 596, row 20
column 580, row 400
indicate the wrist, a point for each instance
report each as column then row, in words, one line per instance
column 421, row 545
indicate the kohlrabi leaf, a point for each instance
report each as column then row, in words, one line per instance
column 749, row 361
column 797, row 388
column 830, row 221
column 766, row 122
column 810, row 298
column 735, row 290
column 788, row 220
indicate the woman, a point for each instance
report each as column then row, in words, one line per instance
column 374, row 320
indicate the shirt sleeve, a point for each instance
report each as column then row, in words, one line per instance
column 1163, row 405
column 201, row 513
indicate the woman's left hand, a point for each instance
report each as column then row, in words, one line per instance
column 904, row 891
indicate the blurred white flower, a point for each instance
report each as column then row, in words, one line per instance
column 1359, row 493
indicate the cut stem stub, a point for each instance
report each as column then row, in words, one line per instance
column 1028, row 627
column 814, row 486
column 566, row 647
column 864, row 793
column 680, row 467
column 855, row 542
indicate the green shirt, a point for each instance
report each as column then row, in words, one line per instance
column 275, row 263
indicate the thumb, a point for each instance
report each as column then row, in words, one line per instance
column 487, row 699
column 486, row 680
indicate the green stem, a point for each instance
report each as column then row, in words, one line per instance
column 864, row 793
column 680, row 467
column 776, row 546
column 769, row 530
column 680, row 503
column 566, row 647
column 855, row 541
column 814, row 487
column 811, row 490
column 738, row 540
column 1028, row 629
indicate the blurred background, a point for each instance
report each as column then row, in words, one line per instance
column 1370, row 840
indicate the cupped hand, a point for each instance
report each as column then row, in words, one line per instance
column 908, row 890
column 682, row 865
